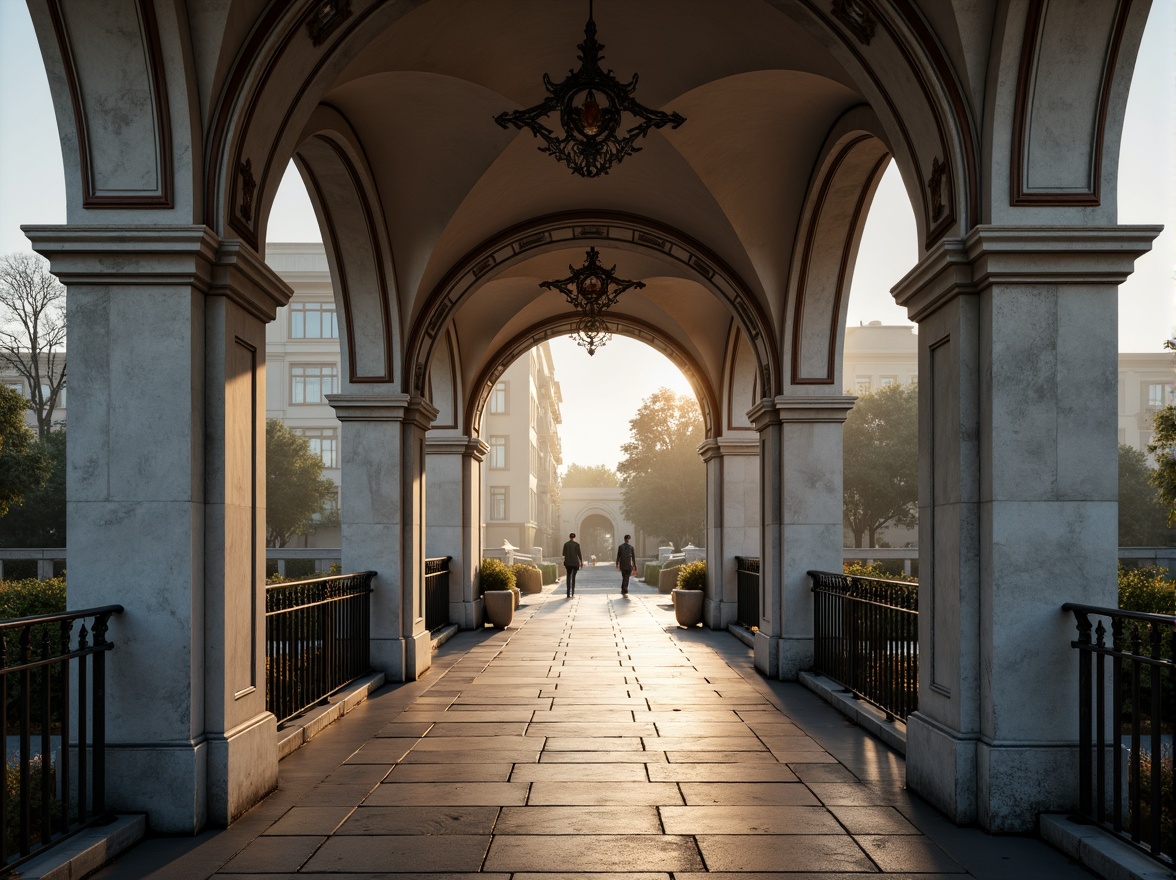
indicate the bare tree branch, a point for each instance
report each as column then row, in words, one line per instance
column 32, row 332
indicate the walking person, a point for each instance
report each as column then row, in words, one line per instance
column 573, row 559
column 626, row 562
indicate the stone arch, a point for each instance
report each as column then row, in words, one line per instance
column 619, row 325
column 742, row 387
column 1058, row 147
column 342, row 189
column 616, row 230
column 834, row 214
column 445, row 385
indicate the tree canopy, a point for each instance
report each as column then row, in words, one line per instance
column 39, row 520
column 597, row 476
column 296, row 490
column 881, row 459
column 32, row 331
column 24, row 466
column 1163, row 447
column 662, row 474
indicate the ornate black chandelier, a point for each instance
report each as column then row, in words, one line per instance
column 591, row 290
column 590, row 102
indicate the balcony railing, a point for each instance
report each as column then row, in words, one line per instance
column 53, row 714
column 747, row 582
column 1127, row 719
column 437, row 593
column 317, row 638
column 866, row 637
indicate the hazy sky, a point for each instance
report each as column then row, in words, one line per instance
column 597, row 391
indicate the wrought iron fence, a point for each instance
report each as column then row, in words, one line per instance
column 317, row 639
column 1133, row 726
column 866, row 633
column 437, row 592
column 747, row 583
column 53, row 714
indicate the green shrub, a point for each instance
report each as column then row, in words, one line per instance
column 857, row 568
column 520, row 567
column 27, row 597
column 550, row 572
column 37, row 795
column 1167, row 799
column 496, row 576
column 692, row 576
column 1147, row 589
column 651, row 572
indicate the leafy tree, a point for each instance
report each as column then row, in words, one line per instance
column 40, row 520
column 1163, row 447
column 32, row 331
column 1141, row 515
column 296, row 490
column 662, row 474
column 600, row 476
column 881, row 462
column 23, row 464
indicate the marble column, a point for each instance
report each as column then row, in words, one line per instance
column 454, row 516
column 382, row 518
column 732, row 524
column 800, row 521
column 1017, row 507
column 166, row 511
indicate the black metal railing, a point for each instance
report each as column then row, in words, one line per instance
column 317, row 639
column 747, row 583
column 866, row 637
column 1133, row 726
column 53, row 714
column 437, row 592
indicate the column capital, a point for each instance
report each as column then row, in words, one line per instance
column 728, row 446
column 244, row 277
column 800, row 408
column 465, row 446
column 103, row 255
column 994, row 255
column 162, row 256
column 383, row 408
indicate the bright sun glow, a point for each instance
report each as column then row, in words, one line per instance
column 602, row 393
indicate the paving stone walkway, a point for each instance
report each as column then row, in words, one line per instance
column 593, row 737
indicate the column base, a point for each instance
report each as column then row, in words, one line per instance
column 767, row 653
column 467, row 615
column 402, row 659
column 1018, row 781
column 242, row 768
column 718, row 615
column 167, row 781
column 941, row 767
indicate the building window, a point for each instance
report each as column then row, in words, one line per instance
column 498, row 505
column 313, row 321
column 1158, row 394
column 534, row 506
column 497, row 457
column 311, row 383
column 863, row 386
column 324, row 442
column 18, row 387
column 498, row 397
column 887, row 380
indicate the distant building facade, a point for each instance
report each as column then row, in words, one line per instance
column 520, row 479
column 878, row 354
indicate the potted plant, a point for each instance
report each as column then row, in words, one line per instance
column 498, row 592
column 528, row 578
column 688, row 597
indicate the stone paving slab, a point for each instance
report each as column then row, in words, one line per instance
column 593, row 853
column 593, row 740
